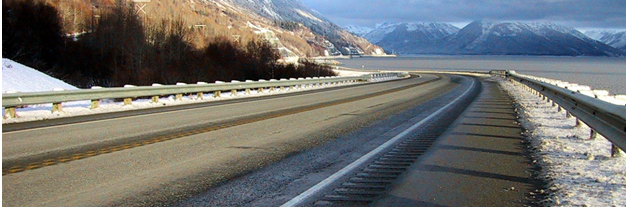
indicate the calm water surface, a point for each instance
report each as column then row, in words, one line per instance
column 608, row 73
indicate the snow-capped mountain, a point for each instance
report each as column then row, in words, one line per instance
column 358, row 30
column 519, row 38
column 491, row 38
column 613, row 38
column 410, row 37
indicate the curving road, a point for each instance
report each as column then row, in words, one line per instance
column 170, row 155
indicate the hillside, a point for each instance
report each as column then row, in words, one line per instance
column 301, row 31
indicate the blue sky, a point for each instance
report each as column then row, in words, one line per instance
column 580, row 14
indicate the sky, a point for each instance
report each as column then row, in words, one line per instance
column 579, row 14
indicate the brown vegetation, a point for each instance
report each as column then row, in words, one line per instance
column 121, row 46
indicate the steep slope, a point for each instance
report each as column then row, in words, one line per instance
column 517, row 38
column 410, row 38
column 613, row 38
column 292, row 14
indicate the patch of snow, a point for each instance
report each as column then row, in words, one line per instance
column 20, row 78
column 358, row 30
column 411, row 27
column 308, row 15
column 580, row 170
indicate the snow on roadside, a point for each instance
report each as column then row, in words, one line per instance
column 19, row 78
column 580, row 171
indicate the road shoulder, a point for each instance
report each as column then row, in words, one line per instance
column 481, row 160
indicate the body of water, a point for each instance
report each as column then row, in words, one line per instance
column 607, row 73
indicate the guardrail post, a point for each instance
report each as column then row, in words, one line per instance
column 217, row 94
column 247, row 91
column 179, row 97
column 10, row 111
column 616, row 151
column 127, row 101
column 234, row 92
column 200, row 95
column 593, row 134
column 154, row 99
column 95, row 103
column 260, row 90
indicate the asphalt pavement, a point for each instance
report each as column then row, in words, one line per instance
column 480, row 161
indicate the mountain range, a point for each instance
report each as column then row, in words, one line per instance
column 490, row 38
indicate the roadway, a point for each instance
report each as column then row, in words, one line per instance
column 152, row 158
column 244, row 152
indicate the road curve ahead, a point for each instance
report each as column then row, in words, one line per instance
column 159, row 158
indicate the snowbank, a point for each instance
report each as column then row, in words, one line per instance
column 20, row 78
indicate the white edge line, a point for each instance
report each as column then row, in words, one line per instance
column 318, row 187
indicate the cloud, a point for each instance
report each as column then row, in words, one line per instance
column 578, row 13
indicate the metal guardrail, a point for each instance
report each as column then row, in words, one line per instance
column 605, row 118
column 12, row 100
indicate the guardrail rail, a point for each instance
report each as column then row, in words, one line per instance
column 606, row 118
column 11, row 101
